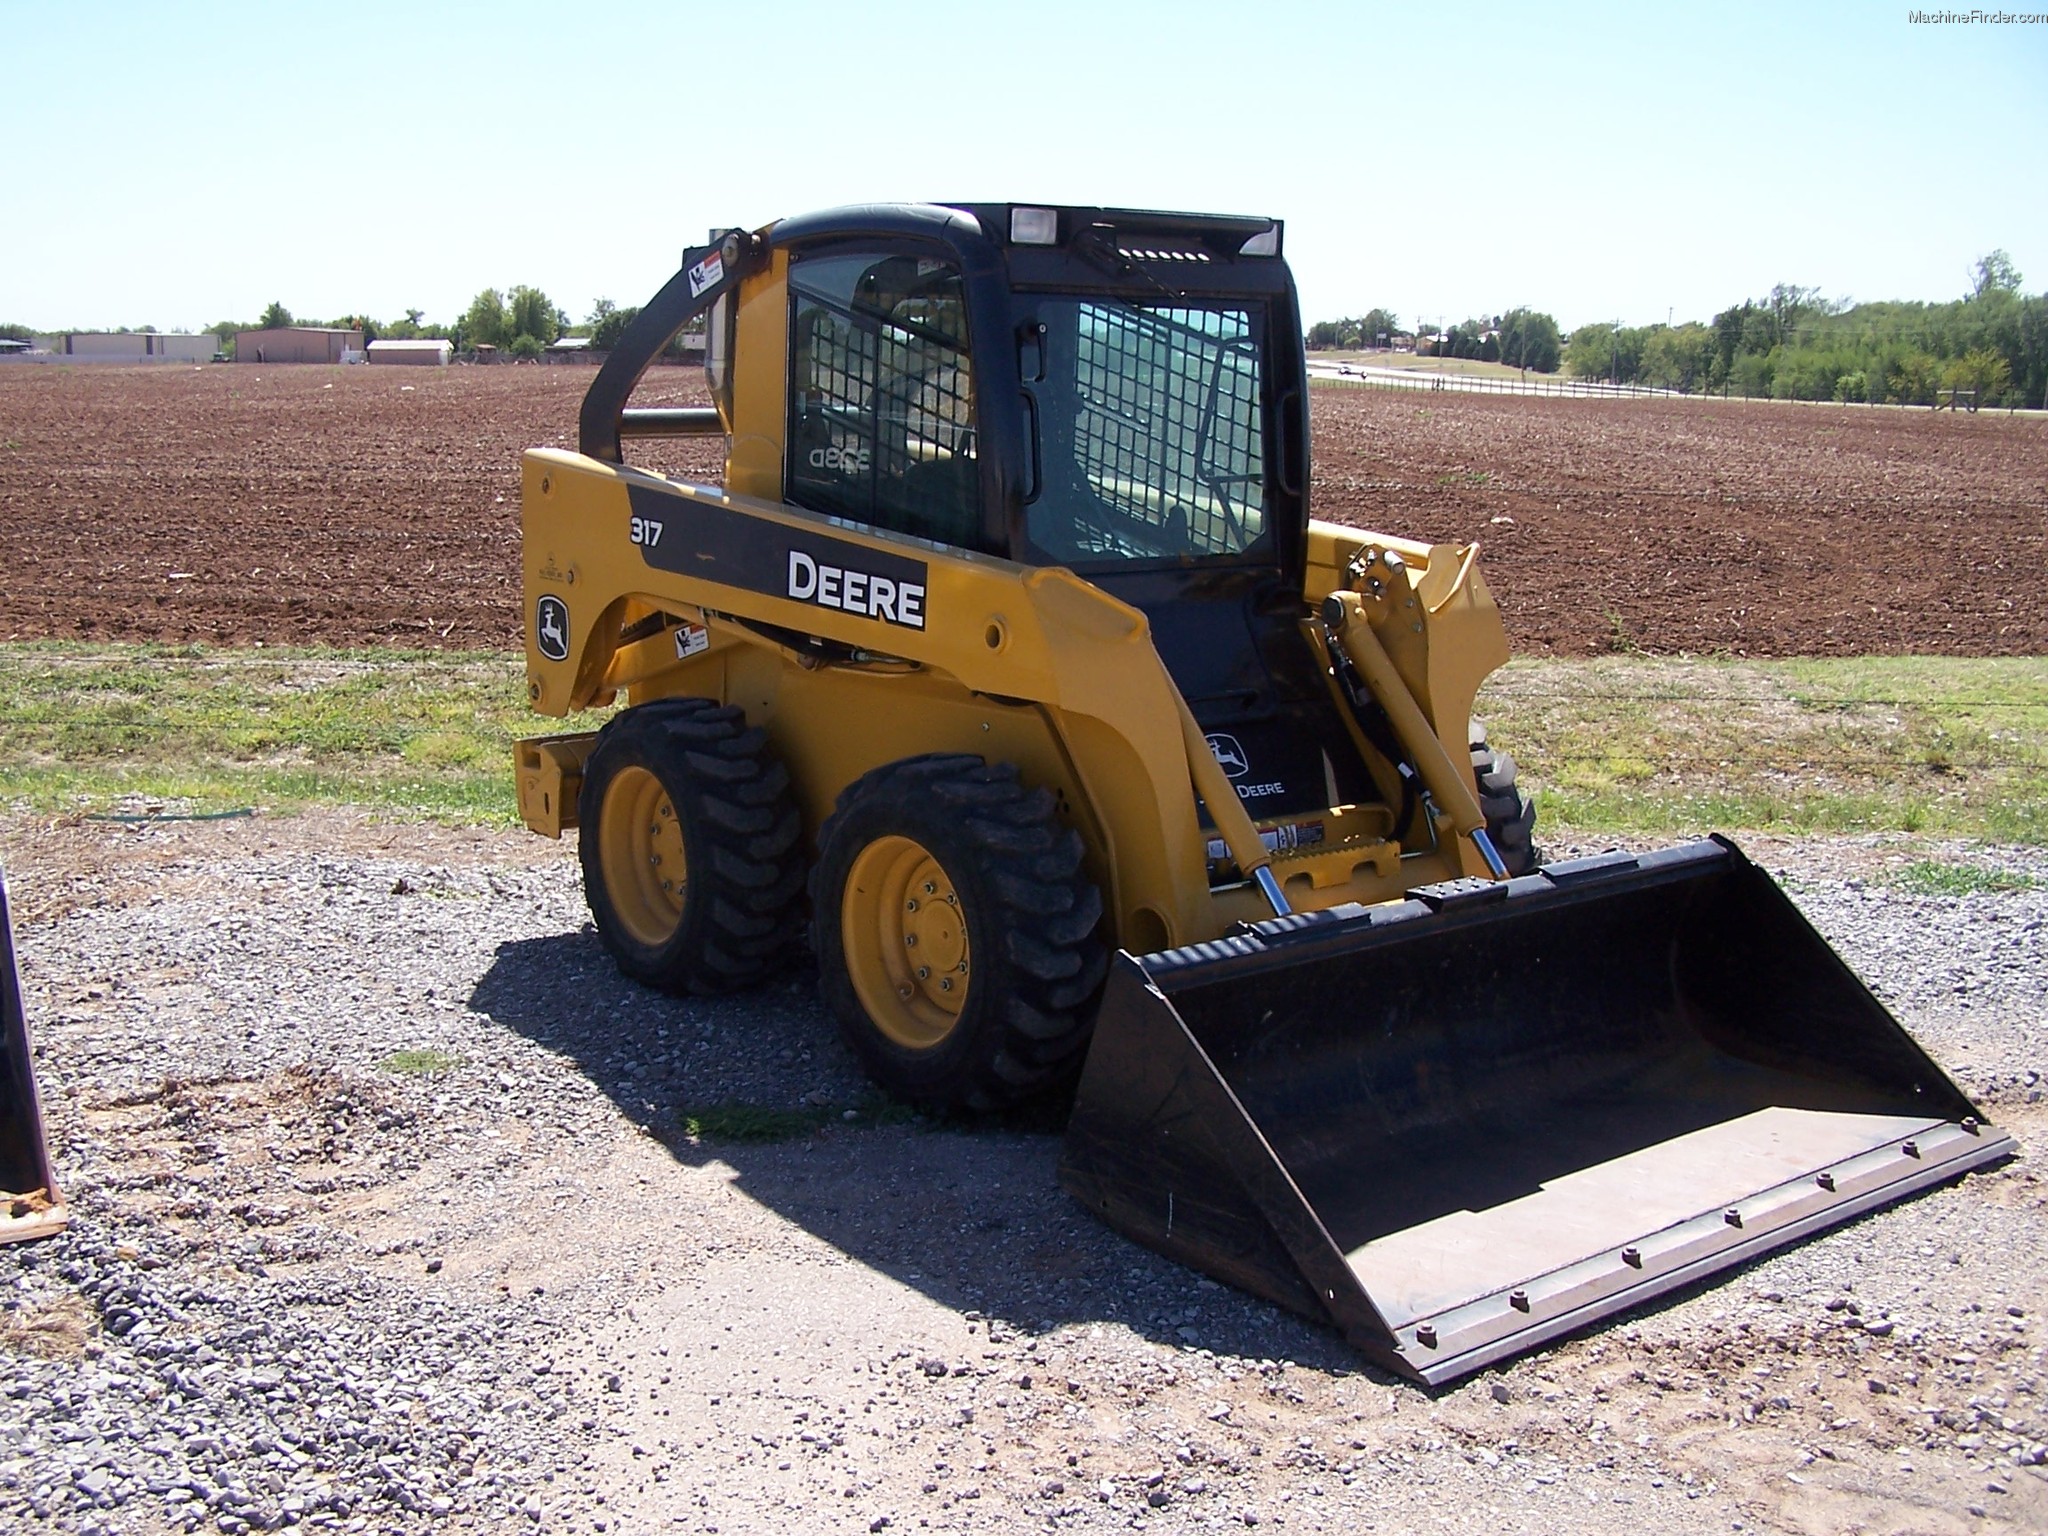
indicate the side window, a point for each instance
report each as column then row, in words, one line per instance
column 1152, row 431
column 881, row 408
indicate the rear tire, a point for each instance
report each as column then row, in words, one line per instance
column 955, row 933
column 690, row 841
column 1510, row 815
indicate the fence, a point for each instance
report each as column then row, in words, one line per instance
column 1465, row 383
column 1423, row 382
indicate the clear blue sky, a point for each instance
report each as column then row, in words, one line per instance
column 175, row 165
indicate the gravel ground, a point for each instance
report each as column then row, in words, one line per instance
column 383, row 1222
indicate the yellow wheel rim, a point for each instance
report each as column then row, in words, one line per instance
column 905, row 938
column 640, row 839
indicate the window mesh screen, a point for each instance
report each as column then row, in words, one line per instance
column 882, row 427
column 1169, row 427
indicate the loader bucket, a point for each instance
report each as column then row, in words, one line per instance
column 29, row 1203
column 1461, row 1124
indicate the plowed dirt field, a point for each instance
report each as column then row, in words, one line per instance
column 232, row 504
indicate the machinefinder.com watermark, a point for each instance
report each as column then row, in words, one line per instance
column 1977, row 18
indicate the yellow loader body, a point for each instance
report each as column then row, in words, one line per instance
column 1008, row 665
column 1031, row 665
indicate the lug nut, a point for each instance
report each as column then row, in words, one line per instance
column 945, row 983
column 910, row 905
column 924, row 973
column 910, row 941
column 929, row 888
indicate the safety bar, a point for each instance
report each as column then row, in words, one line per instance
column 671, row 421
column 708, row 273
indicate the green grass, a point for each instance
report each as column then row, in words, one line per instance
column 101, row 727
column 1624, row 744
column 1636, row 744
column 756, row 1123
column 1932, row 877
column 1408, row 362
column 420, row 1063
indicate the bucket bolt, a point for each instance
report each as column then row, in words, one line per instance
column 1519, row 1300
column 1824, row 1180
column 1632, row 1257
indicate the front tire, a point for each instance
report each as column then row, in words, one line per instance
column 690, row 842
column 955, row 933
column 1510, row 815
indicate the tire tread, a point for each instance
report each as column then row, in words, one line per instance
column 740, row 921
column 1047, row 961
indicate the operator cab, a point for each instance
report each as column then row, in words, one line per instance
column 1117, row 392
column 881, row 404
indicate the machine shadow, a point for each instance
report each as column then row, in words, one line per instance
column 970, row 1215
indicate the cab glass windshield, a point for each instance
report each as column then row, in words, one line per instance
column 1150, row 430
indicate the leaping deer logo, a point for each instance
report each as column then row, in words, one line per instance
column 551, row 628
column 1229, row 755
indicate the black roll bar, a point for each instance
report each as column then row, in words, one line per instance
column 708, row 273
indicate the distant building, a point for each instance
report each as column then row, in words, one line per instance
column 573, row 349
column 429, row 352
column 296, row 344
column 128, row 347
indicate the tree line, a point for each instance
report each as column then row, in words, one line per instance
column 1791, row 344
column 1796, row 344
column 521, row 322
column 1520, row 338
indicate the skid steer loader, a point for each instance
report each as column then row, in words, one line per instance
column 1008, row 652
column 30, row 1205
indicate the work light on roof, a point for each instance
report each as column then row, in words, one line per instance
column 1265, row 243
column 1034, row 226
